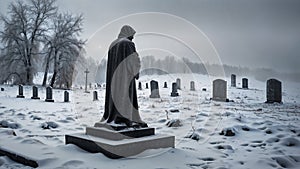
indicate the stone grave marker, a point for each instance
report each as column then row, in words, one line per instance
column 219, row 90
column 66, row 96
column 95, row 95
column 49, row 94
column 140, row 86
column 35, row 93
column 274, row 91
column 20, row 95
column 147, row 87
column 165, row 85
column 178, row 81
column 174, row 92
column 154, row 89
column 245, row 83
column 233, row 80
column 192, row 86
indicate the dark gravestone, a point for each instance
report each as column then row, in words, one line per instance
column 192, row 86
column 165, row 85
column 245, row 83
column 147, row 87
column 140, row 86
column 233, row 80
column 66, row 96
column 204, row 89
column 49, row 95
column 178, row 81
column 154, row 89
column 2, row 89
column 20, row 95
column 174, row 90
column 95, row 95
column 35, row 93
column 219, row 90
column 274, row 91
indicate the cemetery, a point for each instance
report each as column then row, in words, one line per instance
column 60, row 129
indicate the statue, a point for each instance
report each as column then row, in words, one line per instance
column 123, row 66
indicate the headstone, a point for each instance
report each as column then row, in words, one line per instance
column 20, row 95
column 49, row 97
column 154, row 89
column 140, row 86
column 233, row 80
column 147, row 87
column 2, row 89
column 204, row 89
column 192, row 86
column 165, row 85
column 86, row 79
column 95, row 95
column 178, row 81
column 274, row 91
column 219, row 90
column 35, row 92
column 66, row 96
column 174, row 92
column 245, row 83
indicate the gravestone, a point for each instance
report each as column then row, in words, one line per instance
column 35, row 93
column 204, row 89
column 192, row 86
column 233, row 80
column 49, row 94
column 147, row 87
column 165, row 85
column 66, row 96
column 174, row 92
column 95, row 95
column 154, row 89
column 245, row 83
column 178, row 81
column 219, row 90
column 140, row 86
column 2, row 89
column 274, row 91
column 20, row 95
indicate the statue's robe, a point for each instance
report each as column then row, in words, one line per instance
column 123, row 65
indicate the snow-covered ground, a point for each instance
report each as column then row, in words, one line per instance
column 265, row 135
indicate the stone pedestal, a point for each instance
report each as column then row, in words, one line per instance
column 117, row 141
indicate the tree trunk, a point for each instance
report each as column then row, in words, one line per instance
column 46, row 70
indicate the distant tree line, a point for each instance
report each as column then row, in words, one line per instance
column 169, row 65
column 34, row 36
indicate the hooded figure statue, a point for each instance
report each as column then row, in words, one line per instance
column 123, row 66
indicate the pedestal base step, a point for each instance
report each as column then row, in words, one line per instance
column 122, row 148
column 119, row 135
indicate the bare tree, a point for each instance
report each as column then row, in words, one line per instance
column 24, row 30
column 63, row 47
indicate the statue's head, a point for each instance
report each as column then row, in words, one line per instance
column 127, row 32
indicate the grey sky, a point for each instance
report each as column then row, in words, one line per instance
column 253, row 33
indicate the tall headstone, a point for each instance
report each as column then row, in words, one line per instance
column 95, row 95
column 35, row 93
column 66, row 96
column 178, row 81
column 154, row 89
column 165, row 85
column 174, row 92
column 147, row 87
column 245, row 83
column 140, row 86
column 49, row 94
column 86, row 80
column 233, row 80
column 274, row 91
column 192, row 86
column 2, row 89
column 20, row 95
column 219, row 90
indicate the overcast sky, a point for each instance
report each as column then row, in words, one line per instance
column 253, row 33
